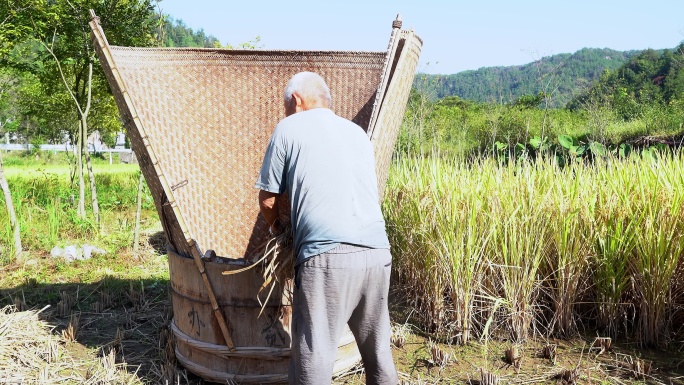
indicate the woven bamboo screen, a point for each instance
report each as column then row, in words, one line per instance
column 199, row 121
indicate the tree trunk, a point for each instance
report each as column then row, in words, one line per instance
column 91, row 175
column 84, row 126
column 79, row 171
column 82, row 132
column 14, row 223
column 136, row 232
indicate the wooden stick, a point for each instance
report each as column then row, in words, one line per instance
column 138, row 209
column 197, row 256
column 105, row 55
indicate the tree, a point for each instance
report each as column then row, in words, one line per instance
column 60, row 27
column 6, row 120
column 14, row 222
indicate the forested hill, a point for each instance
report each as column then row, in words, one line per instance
column 177, row 34
column 562, row 76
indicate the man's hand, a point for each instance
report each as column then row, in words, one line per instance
column 268, row 205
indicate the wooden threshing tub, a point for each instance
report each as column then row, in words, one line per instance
column 199, row 121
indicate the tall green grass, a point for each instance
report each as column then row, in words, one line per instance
column 466, row 128
column 516, row 255
column 46, row 208
column 530, row 247
column 437, row 227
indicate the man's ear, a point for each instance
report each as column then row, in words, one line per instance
column 299, row 102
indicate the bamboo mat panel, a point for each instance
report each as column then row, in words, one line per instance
column 207, row 116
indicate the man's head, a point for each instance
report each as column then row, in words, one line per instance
column 306, row 90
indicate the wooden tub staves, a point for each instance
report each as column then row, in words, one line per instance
column 199, row 121
column 262, row 344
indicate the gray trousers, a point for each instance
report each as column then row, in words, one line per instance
column 347, row 285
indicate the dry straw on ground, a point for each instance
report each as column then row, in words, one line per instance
column 30, row 353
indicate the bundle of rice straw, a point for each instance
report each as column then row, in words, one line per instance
column 31, row 354
column 276, row 257
column 278, row 262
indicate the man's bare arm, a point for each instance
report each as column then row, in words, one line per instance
column 268, row 205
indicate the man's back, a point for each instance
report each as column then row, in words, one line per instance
column 325, row 164
column 342, row 273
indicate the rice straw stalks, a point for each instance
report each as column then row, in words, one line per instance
column 602, row 344
column 117, row 343
column 20, row 304
column 641, row 368
column 277, row 260
column 107, row 371
column 569, row 376
column 167, row 369
column 659, row 246
column 137, row 297
column 518, row 258
column 108, row 361
column 31, row 354
column 567, row 259
column 488, row 378
column 71, row 332
column 106, row 300
column 398, row 340
column 27, row 349
column 65, row 305
column 97, row 307
column 398, row 335
column 278, row 264
column 167, row 345
column 513, row 357
column 549, row 353
column 438, row 356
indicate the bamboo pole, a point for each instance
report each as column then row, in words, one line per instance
column 386, row 74
column 102, row 48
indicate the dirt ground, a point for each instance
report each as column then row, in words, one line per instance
column 123, row 303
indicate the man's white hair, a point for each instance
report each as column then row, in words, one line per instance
column 308, row 85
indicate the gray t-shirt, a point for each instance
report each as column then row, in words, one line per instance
column 325, row 164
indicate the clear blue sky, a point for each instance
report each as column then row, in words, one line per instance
column 458, row 35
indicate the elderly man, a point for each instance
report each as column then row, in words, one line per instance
column 342, row 270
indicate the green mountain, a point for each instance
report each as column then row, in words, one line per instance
column 175, row 33
column 646, row 79
column 562, row 76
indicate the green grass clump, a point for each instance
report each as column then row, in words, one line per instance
column 464, row 128
column 45, row 201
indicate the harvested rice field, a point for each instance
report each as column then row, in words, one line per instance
column 462, row 260
column 105, row 321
